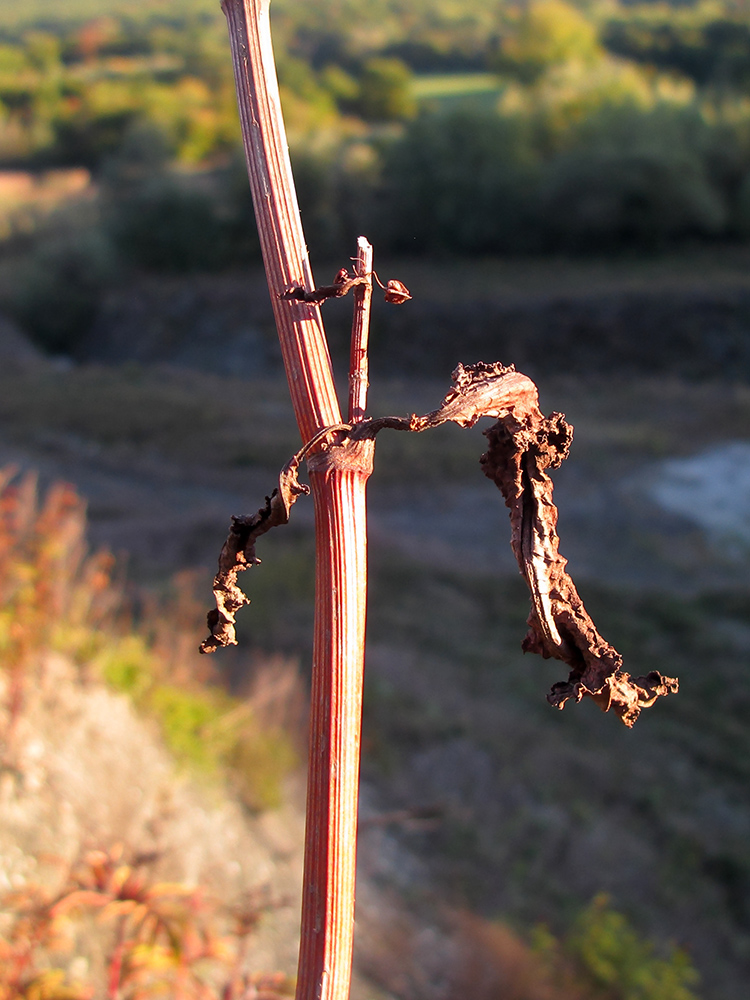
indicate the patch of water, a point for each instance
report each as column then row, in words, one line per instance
column 710, row 489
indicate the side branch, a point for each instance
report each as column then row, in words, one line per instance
column 396, row 291
column 358, row 357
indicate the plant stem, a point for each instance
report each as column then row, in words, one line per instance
column 299, row 324
column 358, row 362
column 338, row 480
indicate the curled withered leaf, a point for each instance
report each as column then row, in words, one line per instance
column 519, row 454
column 238, row 554
column 342, row 284
column 480, row 390
column 396, row 292
column 523, row 445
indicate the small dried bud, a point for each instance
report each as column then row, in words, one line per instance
column 396, row 292
column 341, row 276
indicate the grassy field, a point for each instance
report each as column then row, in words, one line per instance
column 69, row 11
column 449, row 91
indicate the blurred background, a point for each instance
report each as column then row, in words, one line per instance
column 564, row 186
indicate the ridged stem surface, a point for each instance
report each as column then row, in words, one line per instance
column 340, row 524
column 303, row 344
column 335, row 725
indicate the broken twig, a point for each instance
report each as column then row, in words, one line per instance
column 358, row 359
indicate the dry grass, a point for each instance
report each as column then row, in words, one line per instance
column 75, row 769
column 129, row 412
column 54, row 595
column 155, row 937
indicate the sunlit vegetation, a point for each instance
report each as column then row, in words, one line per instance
column 603, row 952
column 153, row 937
column 107, row 921
column 107, row 924
column 481, row 131
column 59, row 599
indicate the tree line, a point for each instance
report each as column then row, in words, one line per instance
column 604, row 129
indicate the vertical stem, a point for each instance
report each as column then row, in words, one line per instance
column 301, row 334
column 333, row 774
column 358, row 362
column 338, row 487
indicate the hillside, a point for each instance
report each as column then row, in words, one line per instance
column 562, row 187
column 530, row 813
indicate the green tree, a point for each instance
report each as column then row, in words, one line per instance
column 461, row 183
column 385, row 91
column 548, row 33
column 632, row 178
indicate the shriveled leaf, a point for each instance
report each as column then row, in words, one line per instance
column 238, row 554
column 396, row 292
column 523, row 445
column 517, row 459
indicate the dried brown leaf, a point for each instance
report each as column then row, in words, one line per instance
column 522, row 446
column 519, row 454
column 238, row 554
column 396, row 292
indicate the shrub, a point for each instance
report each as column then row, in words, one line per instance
column 638, row 199
column 632, row 178
column 55, row 596
column 60, row 288
column 207, row 730
column 461, row 182
column 164, row 227
column 385, row 92
column 163, row 221
column 157, row 938
column 52, row 594
column 743, row 207
column 189, row 723
column 605, row 954
column 51, row 591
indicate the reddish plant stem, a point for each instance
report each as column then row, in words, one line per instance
column 338, row 487
column 301, row 334
column 333, row 773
